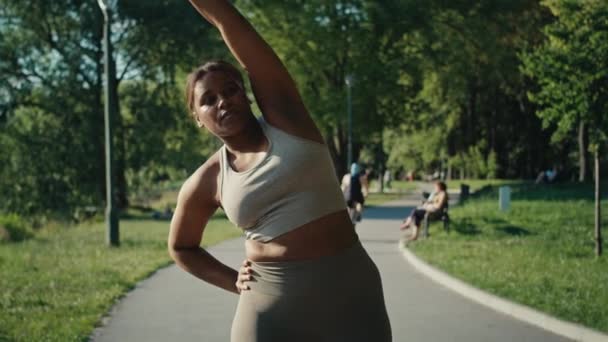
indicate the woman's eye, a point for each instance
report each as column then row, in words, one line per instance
column 209, row 100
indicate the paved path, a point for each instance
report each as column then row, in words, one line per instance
column 174, row 306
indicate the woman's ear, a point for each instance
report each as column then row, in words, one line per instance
column 198, row 121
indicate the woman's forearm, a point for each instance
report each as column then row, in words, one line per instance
column 215, row 11
column 204, row 266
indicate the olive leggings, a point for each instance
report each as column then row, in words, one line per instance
column 334, row 298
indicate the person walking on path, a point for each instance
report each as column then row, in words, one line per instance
column 301, row 247
column 355, row 186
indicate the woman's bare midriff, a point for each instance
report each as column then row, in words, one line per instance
column 325, row 236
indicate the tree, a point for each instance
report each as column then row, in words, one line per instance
column 321, row 42
column 51, row 109
column 571, row 69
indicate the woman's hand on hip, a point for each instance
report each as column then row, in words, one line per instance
column 245, row 274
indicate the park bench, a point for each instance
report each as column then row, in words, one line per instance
column 441, row 215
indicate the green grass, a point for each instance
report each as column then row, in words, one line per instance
column 396, row 186
column 57, row 286
column 374, row 199
column 404, row 186
column 397, row 190
column 477, row 184
column 540, row 253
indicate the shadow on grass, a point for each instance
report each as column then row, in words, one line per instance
column 542, row 192
column 493, row 220
column 513, row 231
column 580, row 254
column 465, row 227
column 501, row 227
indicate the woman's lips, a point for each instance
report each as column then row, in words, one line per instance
column 224, row 115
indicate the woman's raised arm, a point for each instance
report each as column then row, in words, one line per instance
column 273, row 87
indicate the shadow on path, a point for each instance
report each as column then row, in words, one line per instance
column 386, row 213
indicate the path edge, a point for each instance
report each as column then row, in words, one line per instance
column 521, row 312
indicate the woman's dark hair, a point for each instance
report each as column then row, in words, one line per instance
column 202, row 70
column 442, row 186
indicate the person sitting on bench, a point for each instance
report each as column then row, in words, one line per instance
column 547, row 176
column 434, row 204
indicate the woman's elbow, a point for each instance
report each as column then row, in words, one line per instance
column 172, row 249
column 178, row 252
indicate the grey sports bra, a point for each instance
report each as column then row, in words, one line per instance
column 295, row 183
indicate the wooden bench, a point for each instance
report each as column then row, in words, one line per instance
column 440, row 215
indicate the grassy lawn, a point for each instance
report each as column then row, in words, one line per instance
column 404, row 186
column 476, row 184
column 374, row 199
column 399, row 188
column 541, row 253
column 57, row 286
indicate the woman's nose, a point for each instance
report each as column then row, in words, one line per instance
column 222, row 102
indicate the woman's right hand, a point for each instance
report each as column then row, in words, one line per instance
column 245, row 274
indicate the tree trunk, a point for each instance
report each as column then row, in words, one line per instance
column 471, row 115
column 449, row 172
column 598, row 221
column 582, row 151
column 380, row 164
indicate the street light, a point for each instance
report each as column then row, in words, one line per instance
column 112, row 233
column 349, row 80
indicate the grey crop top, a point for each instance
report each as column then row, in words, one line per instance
column 295, row 183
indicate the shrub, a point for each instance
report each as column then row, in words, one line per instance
column 13, row 229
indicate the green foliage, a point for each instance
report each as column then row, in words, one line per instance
column 570, row 68
column 466, row 94
column 321, row 43
column 49, row 137
column 476, row 164
column 13, row 229
column 436, row 83
column 539, row 253
column 51, row 108
column 414, row 149
column 491, row 166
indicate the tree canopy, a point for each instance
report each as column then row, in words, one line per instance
column 438, row 86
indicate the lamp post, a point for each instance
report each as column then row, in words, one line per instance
column 112, row 233
column 349, row 80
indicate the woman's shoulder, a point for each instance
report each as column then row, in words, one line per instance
column 203, row 184
column 210, row 167
column 303, row 129
column 442, row 197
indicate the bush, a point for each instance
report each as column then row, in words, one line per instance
column 13, row 229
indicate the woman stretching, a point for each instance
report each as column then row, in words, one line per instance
column 306, row 276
